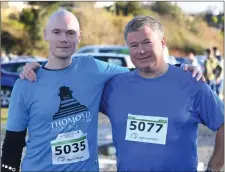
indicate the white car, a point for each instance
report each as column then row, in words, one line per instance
column 118, row 59
column 118, row 49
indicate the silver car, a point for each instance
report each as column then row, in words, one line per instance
column 118, row 49
column 118, row 59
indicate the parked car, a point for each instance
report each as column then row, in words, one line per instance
column 119, row 49
column 118, row 59
column 9, row 74
column 8, row 80
column 16, row 66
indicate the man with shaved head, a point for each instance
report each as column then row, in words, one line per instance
column 63, row 35
column 59, row 110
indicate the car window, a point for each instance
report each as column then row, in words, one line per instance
column 118, row 51
column 108, row 51
column 124, row 51
column 113, row 60
column 9, row 67
column 19, row 68
column 104, row 59
column 87, row 51
column 15, row 67
column 117, row 61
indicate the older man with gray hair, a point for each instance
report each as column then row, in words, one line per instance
column 155, row 110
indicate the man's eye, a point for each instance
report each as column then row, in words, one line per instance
column 147, row 42
column 133, row 46
column 72, row 33
column 56, row 32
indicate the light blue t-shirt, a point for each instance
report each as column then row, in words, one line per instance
column 60, row 111
column 155, row 121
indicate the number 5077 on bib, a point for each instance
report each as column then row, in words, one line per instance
column 148, row 129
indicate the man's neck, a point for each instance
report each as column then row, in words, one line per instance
column 159, row 71
column 57, row 63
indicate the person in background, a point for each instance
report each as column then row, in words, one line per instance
column 220, row 78
column 212, row 70
column 216, row 53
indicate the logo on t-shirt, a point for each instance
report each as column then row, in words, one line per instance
column 70, row 113
column 69, row 105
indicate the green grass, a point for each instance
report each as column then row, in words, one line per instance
column 4, row 115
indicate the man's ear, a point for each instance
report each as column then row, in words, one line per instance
column 163, row 42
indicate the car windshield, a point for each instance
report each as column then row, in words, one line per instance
column 112, row 59
column 119, row 51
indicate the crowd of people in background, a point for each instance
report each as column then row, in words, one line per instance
column 212, row 68
column 213, row 71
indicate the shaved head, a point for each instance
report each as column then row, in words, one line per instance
column 65, row 18
column 63, row 34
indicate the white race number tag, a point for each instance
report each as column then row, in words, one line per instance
column 69, row 148
column 149, row 129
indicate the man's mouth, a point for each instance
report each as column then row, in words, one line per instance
column 145, row 58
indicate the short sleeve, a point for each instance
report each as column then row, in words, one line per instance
column 17, row 113
column 209, row 107
column 109, row 70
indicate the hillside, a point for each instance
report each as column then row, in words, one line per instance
column 191, row 33
column 102, row 27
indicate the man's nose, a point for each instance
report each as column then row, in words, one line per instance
column 141, row 49
column 63, row 37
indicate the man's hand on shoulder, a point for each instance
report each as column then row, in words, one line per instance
column 29, row 71
column 196, row 72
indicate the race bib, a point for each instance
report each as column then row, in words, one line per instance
column 69, row 148
column 149, row 129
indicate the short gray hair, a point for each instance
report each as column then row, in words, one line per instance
column 141, row 21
